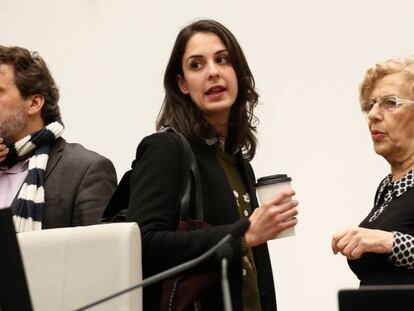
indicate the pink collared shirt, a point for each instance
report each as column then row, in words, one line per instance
column 11, row 179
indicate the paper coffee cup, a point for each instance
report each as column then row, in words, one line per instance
column 267, row 187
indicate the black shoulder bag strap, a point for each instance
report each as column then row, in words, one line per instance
column 193, row 178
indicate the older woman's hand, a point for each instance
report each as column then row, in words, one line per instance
column 272, row 218
column 353, row 242
column 3, row 150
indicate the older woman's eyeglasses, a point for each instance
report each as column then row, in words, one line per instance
column 386, row 103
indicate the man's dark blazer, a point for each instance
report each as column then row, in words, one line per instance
column 78, row 185
column 154, row 191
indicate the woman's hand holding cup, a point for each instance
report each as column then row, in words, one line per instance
column 272, row 217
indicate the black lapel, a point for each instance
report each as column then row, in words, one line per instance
column 225, row 207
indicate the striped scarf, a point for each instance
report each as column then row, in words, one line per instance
column 28, row 210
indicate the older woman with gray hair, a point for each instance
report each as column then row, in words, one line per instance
column 381, row 250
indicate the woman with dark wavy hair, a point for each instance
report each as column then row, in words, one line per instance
column 179, row 110
column 209, row 98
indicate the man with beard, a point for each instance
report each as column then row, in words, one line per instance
column 47, row 182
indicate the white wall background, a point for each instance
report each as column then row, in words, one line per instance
column 308, row 58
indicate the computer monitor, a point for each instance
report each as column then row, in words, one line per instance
column 378, row 298
column 14, row 292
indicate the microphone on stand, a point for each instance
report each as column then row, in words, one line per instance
column 224, row 254
column 222, row 246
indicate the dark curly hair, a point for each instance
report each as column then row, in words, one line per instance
column 32, row 77
column 179, row 111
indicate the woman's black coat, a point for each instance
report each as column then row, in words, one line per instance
column 154, row 192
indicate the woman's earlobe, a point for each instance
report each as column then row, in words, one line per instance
column 182, row 85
